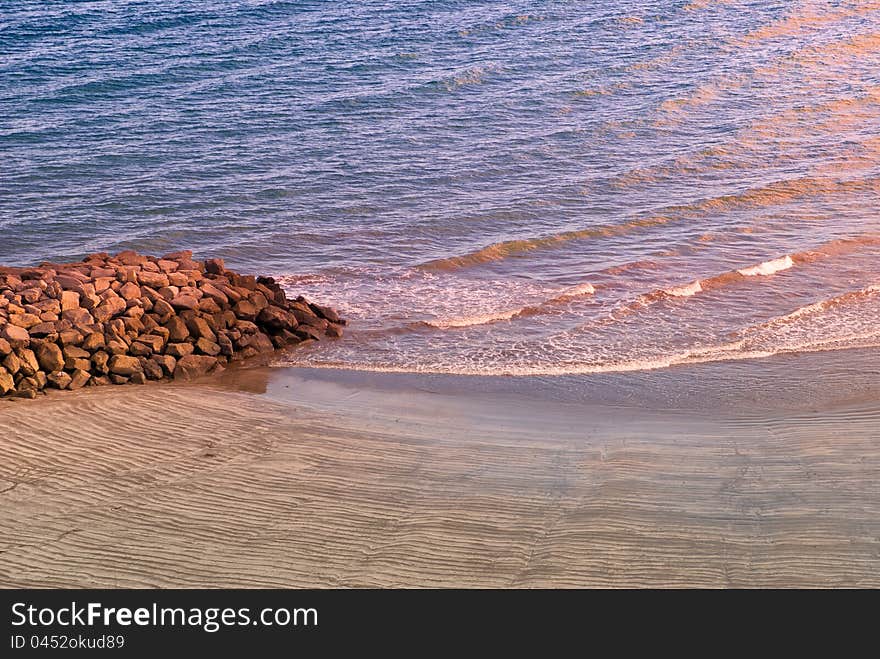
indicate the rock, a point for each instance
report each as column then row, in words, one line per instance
column 100, row 359
column 167, row 362
column 153, row 370
column 110, row 307
column 42, row 330
column 163, row 309
column 260, row 342
column 246, row 310
column 110, row 319
column 93, row 342
column 77, row 316
column 153, row 279
column 177, row 329
column 29, row 363
column 207, row 347
column 69, row 300
column 308, row 332
column 70, row 337
column 199, row 327
column 123, row 365
column 327, row 313
column 178, row 350
column 12, row 363
column 214, row 293
column 275, row 318
column 154, row 341
column 50, row 358
column 194, row 366
column 185, row 302
column 25, row 320
column 79, row 378
column 58, row 380
column 7, row 383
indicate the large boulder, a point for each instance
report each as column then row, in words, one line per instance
column 194, row 366
column 50, row 357
column 124, row 365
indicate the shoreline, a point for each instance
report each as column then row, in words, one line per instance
column 281, row 477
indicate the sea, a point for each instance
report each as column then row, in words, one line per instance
column 491, row 188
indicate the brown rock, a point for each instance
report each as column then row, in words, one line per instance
column 100, row 359
column 70, row 337
column 153, row 279
column 167, row 266
column 6, row 347
column 93, row 342
column 207, row 347
column 79, row 378
column 178, row 350
column 25, row 320
column 77, row 317
column 334, row 331
column 199, row 327
column 50, row 358
column 7, row 383
column 260, row 342
column 163, row 309
column 246, row 310
column 155, row 342
column 115, row 378
column 275, row 318
column 58, row 380
column 185, row 302
column 29, row 363
column 194, row 366
column 69, row 300
column 208, row 305
column 177, row 330
column 42, row 330
column 12, row 363
column 110, row 307
column 139, row 349
column 308, row 332
column 116, row 346
column 124, row 365
column 167, row 362
column 327, row 313
column 130, row 291
column 153, row 369
column 215, row 266
column 177, row 279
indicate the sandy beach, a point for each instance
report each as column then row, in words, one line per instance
column 285, row 477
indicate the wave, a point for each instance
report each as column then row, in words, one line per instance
column 776, row 193
column 768, row 267
column 566, row 295
column 764, row 269
column 838, row 323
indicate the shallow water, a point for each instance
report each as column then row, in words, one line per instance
column 540, row 188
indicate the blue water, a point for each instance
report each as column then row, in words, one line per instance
column 435, row 167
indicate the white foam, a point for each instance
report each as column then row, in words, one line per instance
column 685, row 291
column 768, row 267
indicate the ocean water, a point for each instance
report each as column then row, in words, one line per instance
column 499, row 188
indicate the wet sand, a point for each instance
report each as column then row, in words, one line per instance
column 289, row 477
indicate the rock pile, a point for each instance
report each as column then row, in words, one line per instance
column 132, row 318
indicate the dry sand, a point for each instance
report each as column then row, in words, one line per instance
column 284, row 480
